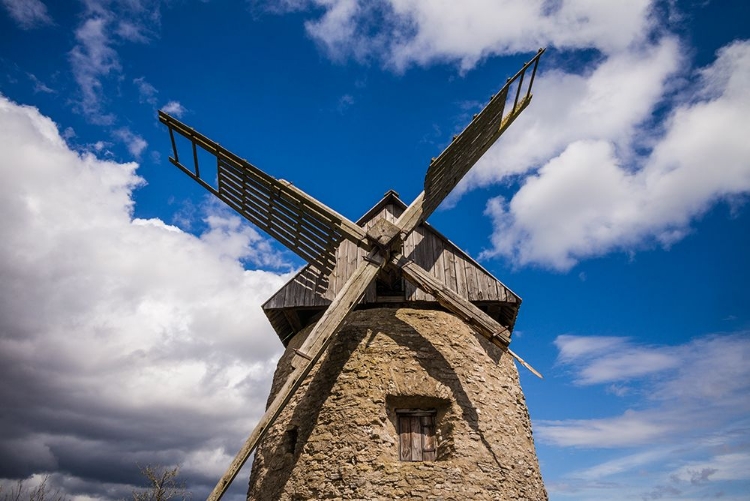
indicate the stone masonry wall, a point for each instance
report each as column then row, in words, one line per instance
column 338, row 439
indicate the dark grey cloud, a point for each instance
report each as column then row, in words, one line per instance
column 121, row 340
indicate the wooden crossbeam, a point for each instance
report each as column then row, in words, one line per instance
column 309, row 354
column 463, row 308
column 481, row 322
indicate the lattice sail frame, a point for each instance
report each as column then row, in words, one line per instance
column 303, row 224
column 467, row 148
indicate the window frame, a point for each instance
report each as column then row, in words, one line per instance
column 416, row 432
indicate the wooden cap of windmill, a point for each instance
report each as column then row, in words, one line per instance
column 310, row 292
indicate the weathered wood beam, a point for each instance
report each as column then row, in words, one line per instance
column 312, row 349
column 464, row 309
column 411, row 217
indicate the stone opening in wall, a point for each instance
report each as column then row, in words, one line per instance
column 422, row 427
column 290, row 440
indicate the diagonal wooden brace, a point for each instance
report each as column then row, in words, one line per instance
column 313, row 348
column 464, row 309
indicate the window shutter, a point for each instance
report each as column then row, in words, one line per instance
column 416, row 438
column 404, row 428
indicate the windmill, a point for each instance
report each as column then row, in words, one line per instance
column 315, row 233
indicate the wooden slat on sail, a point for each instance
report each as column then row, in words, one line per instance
column 297, row 220
column 455, row 161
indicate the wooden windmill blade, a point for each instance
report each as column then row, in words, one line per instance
column 300, row 222
column 305, row 226
column 307, row 356
column 443, row 175
column 468, row 147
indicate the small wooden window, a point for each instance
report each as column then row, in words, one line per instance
column 416, row 431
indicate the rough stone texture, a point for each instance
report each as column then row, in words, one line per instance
column 346, row 435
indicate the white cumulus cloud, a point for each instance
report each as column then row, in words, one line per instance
column 597, row 195
column 402, row 33
column 122, row 340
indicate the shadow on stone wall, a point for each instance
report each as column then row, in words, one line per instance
column 305, row 415
column 438, row 368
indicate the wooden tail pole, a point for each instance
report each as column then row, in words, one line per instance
column 523, row 362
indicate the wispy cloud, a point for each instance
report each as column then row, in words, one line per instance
column 131, row 32
column 135, row 143
column 174, row 108
column 28, row 14
column 573, row 348
column 626, row 463
column 146, row 92
column 629, row 429
column 612, row 359
column 688, row 422
column 345, row 102
column 92, row 59
column 39, row 86
column 733, row 466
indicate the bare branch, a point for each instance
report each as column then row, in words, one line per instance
column 20, row 492
column 163, row 485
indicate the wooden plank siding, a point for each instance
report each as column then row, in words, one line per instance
column 311, row 288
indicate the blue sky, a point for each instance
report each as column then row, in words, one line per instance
column 616, row 207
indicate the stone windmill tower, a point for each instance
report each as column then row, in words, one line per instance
column 397, row 381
